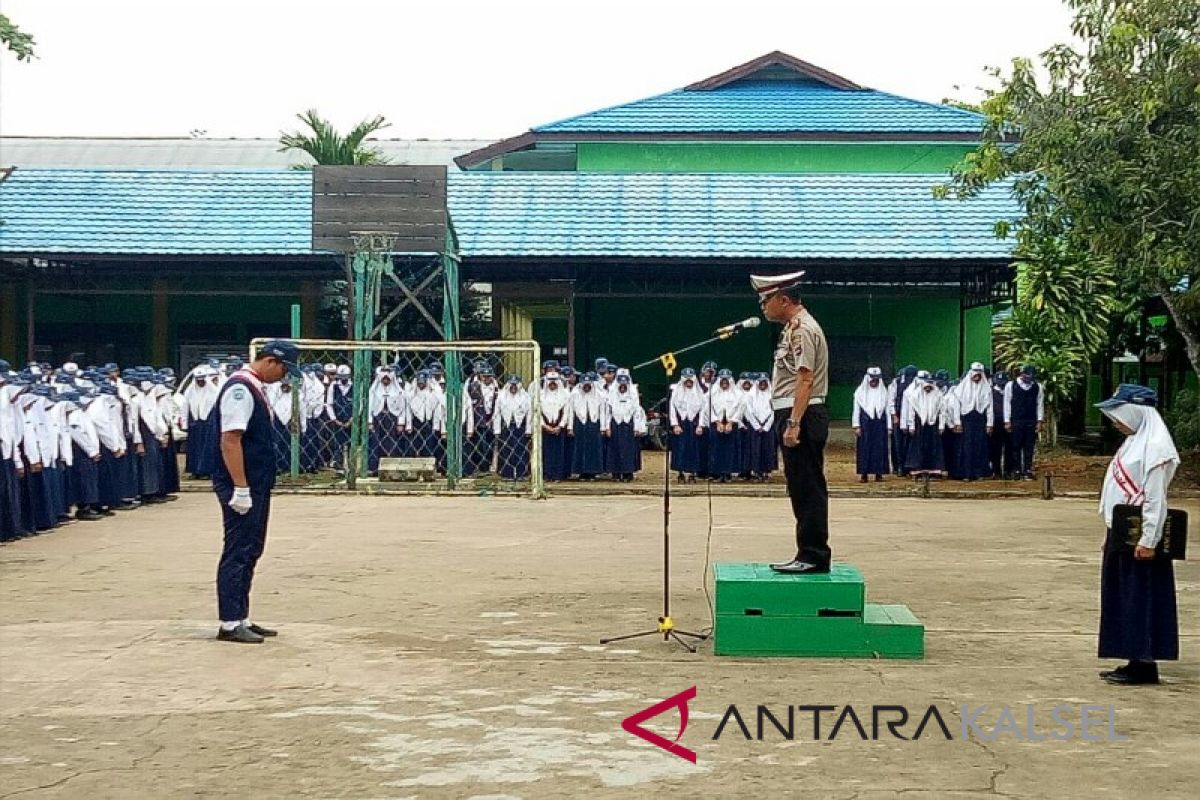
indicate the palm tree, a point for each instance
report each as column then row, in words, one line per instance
column 326, row 146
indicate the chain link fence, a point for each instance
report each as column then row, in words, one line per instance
column 416, row 416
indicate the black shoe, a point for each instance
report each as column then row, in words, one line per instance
column 799, row 567
column 150, row 499
column 879, row 479
column 862, row 479
column 261, row 631
column 87, row 514
column 1132, row 678
column 106, row 512
column 1121, row 670
column 1134, row 674
column 124, row 506
column 240, row 634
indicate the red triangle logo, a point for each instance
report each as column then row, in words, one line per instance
column 633, row 724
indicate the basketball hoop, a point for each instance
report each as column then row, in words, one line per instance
column 373, row 242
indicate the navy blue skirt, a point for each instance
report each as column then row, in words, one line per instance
column 1139, row 620
column 871, row 448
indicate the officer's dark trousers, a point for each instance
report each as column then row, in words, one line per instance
column 804, row 469
column 245, row 536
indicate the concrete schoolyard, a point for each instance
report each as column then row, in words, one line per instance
column 448, row 647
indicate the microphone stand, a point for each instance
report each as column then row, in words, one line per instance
column 666, row 625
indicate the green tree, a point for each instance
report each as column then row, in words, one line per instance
column 326, row 146
column 20, row 43
column 1107, row 162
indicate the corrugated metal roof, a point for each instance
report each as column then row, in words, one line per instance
column 773, row 106
column 723, row 216
column 217, row 154
column 514, row 215
column 156, row 212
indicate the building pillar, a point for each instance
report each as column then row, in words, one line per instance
column 8, row 323
column 160, row 324
column 30, row 330
column 310, row 295
column 571, row 327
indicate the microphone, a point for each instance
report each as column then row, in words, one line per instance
column 729, row 330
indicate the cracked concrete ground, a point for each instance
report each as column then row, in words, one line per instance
column 448, row 647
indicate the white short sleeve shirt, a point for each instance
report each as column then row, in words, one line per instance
column 237, row 405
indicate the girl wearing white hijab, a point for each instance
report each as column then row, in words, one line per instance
column 725, row 415
column 556, row 421
column 389, row 417
column 589, row 428
column 688, row 416
column 512, row 425
column 872, row 426
column 1138, row 617
column 758, row 417
column 975, row 405
column 199, row 399
column 922, row 420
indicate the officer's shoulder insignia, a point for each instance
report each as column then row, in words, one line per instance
column 239, row 393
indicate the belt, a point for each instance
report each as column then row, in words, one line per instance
column 784, row 403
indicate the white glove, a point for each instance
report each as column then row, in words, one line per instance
column 241, row 502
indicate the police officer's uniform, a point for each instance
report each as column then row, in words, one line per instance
column 802, row 345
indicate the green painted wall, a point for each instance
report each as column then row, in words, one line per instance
column 628, row 331
column 768, row 157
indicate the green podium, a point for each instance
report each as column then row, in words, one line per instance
column 761, row 612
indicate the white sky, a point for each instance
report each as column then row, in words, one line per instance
column 465, row 68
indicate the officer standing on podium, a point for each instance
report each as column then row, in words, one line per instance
column 243, row 476
column 799, row 387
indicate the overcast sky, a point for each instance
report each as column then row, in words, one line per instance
column 465, row 68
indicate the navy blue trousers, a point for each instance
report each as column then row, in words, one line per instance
column 245, row 537
column 1022, row 442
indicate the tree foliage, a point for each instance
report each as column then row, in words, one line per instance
column 14, row 39
column 1107, row 169
column 326, row 146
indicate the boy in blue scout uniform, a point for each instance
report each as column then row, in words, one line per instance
column 243, row 477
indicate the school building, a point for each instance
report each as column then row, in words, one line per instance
column 622, row 233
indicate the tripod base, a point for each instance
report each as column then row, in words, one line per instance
column 666, row 627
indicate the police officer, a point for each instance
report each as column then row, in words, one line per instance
column 800, row 384
column 243, row 476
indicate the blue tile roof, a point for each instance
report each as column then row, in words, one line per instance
column 723, row 216
column 514, row 214
column 773, row 106
column 156, row 212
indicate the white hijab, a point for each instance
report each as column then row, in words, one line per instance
column 588, row 405
column 724, row 402
column 688, row 402
column 513, row 407
column 389, row 397
column 624, row 405
column 873, row 400
column 1149, row 447
column 974, row 396
column 926, row 405
column 554, row 401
